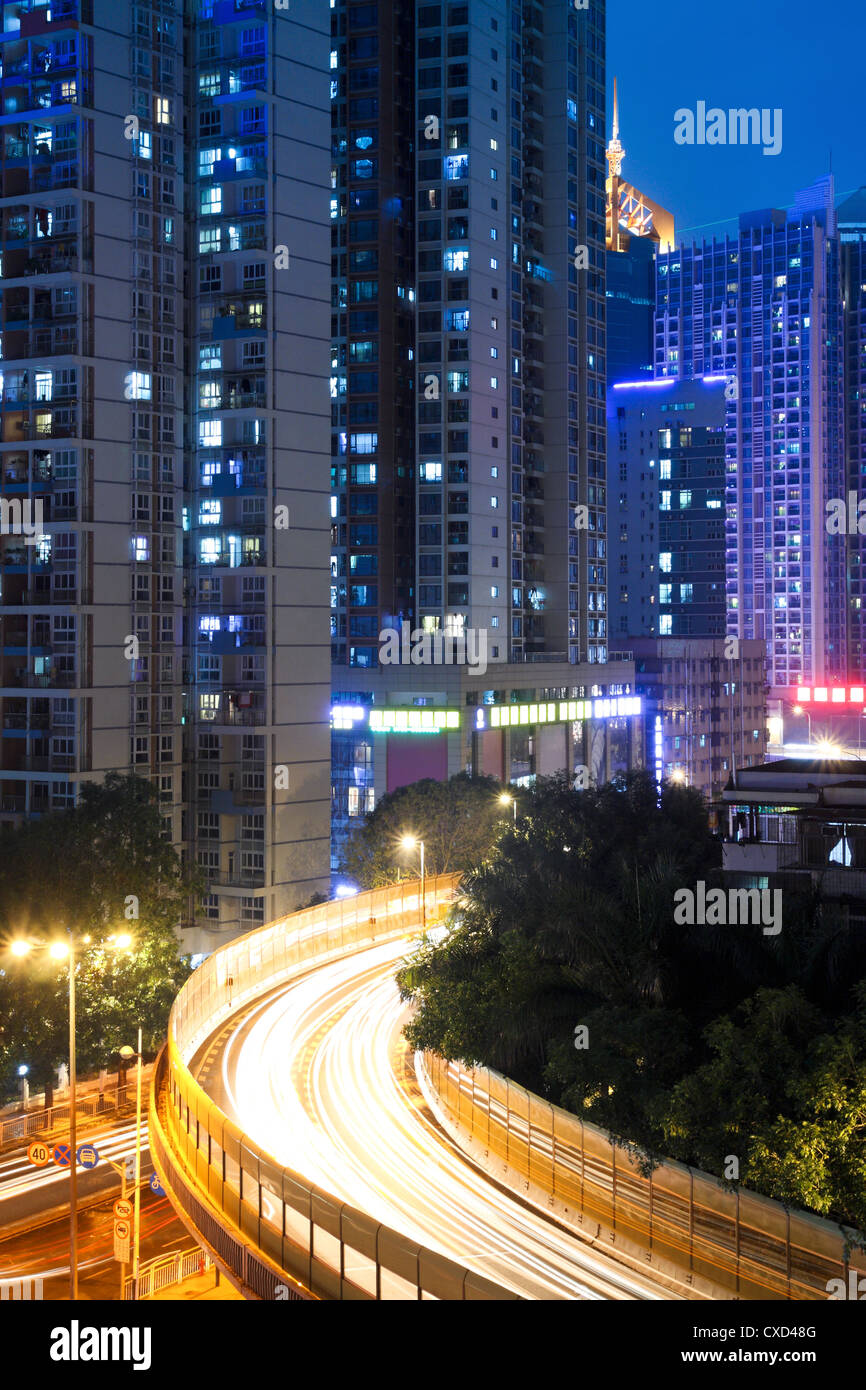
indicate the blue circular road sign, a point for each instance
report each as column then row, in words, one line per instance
column 62, row 1155
column 156, row 1186
column 87, row 1155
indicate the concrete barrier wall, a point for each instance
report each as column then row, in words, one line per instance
column 275, row 1234
column 678, row 1220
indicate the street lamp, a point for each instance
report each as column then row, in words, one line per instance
column 506, row 800
column 65, row 950
column 127, row 1054
column 411, row 842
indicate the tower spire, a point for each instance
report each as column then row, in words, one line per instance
column 615, row 151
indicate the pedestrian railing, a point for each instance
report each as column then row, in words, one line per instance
column 35, row 1124
column 165, row 1270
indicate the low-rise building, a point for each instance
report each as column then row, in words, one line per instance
column 796, row 822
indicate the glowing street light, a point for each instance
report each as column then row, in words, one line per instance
column 506, row 800
column 411, row 842
column 65, row 950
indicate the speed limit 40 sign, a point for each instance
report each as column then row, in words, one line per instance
column 39, row 1153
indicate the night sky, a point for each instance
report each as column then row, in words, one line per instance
column 801, row 55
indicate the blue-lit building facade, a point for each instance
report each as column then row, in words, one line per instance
column 764, row 310
column 666, row 491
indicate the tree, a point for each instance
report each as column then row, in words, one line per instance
column 101, row 869
column 458, row 821
column 563, row 966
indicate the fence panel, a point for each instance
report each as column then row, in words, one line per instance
column 738, row 1242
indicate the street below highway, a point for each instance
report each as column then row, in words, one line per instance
column 35, row 1202
column 317, row 1072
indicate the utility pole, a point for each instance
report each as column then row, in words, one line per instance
column 73, row 1136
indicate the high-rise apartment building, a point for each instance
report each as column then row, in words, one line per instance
column 851, row 223
column 164, row 318
column 666, row 501
column 372, row 326
column 763, row 309
column 476, row 227
column 468, row 439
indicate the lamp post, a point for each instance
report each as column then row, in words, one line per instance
column 410, row 842
column 65, row 950
column 127, row 1054
column 506, row 800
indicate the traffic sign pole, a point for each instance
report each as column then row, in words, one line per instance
column 123, row 1262
column 137, row 1218
column 73, row 1165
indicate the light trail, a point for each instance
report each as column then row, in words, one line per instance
column 18, row 1175
column 309, row 1074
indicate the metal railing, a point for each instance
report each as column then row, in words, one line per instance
column 42, row 1123
column 680, row 1220
column 165, row 1270
column 268, row 1226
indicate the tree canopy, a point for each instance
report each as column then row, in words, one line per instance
column 458, row 820
column 564, row 967
column 96, row 871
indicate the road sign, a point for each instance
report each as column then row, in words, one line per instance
column 62, row 1155
column 123, row 1208
column 121, row 1240
column 39, row 1153
column 130, row 1168
column 87, row 1155
column 156, row 1186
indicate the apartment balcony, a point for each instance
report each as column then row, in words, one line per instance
column 230, row 713
column 45, row 424
column 243, row 167
column 53, row 763
column 237, row 77
column 56, row 260
column 229, row 801
column 534, row 658
column 232, row 325
column 241, row 483
column 225, row 559
column 19, row 345
column 238, row 880
column 26, row 680
column 236, row 400
column 238, row 11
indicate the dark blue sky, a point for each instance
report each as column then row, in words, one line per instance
column 805, row 56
